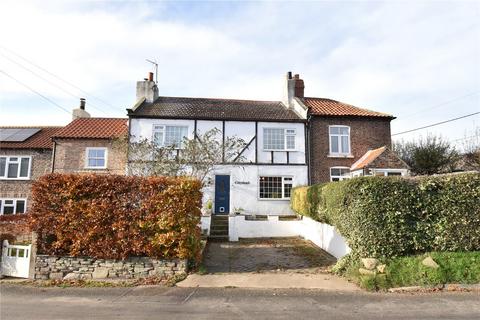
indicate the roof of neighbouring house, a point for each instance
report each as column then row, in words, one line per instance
column 215, row 109
column 94, row 128
column 367, row 158
column 384, row 155
column 36, row 137
column 329, row 107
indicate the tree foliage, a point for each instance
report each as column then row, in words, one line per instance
column 195, row 158
column 428, row 155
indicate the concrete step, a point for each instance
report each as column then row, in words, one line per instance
column 216, row 233
column 217, row 238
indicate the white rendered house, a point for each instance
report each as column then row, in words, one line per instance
column 273, row 161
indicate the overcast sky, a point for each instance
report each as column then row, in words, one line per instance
column 418, row 60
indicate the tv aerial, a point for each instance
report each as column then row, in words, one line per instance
column 155, row 64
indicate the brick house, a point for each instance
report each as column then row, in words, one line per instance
column 25, row 155
column 340, row 134
column 87, row 145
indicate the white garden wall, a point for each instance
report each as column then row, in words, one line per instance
column 323, row 235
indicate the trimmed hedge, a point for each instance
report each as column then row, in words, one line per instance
column 114, row 217
column 392, row 216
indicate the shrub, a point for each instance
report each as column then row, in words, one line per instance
column 109, row 216
column 392, row 216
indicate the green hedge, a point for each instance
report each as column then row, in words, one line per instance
column 387, row 217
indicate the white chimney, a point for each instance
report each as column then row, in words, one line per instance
column 80, row 111
column 294, row 87
column 147, row 89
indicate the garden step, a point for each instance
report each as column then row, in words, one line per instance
column 218, row 233
column 218, row 238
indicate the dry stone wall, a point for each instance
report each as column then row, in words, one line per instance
column 69, row 268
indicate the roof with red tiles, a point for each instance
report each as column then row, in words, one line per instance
column 94, row 128
column 329, row 107
column 368, row 158
column 40, row 140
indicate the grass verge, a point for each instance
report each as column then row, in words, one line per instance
column 454, row 267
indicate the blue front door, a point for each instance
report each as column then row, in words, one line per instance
column 222, row 194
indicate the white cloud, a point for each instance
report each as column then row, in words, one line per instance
column 394, row 57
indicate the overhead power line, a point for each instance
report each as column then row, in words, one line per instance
column 436, row 124
column 36, row 92
column 49, row 81
column 61, row 79
column 441, row 104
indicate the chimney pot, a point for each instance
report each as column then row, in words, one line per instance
column 150, row 76
column 82, row 103
column 289, row 75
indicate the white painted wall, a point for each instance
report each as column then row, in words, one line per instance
column 243, row 196
column 323, row 235
column 143, row 128
column 205, row 224
column 246, row 196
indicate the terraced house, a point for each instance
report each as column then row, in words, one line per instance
column 25, row 155
column 292, row 142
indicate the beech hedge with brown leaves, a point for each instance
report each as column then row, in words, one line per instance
column 114, row 217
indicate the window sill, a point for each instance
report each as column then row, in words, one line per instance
column 15, row 179
column 278, row 150
column 95, row 168
column 347, row 156
column 273, row 199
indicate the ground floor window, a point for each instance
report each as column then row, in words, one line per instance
column 12, row 206
column 339, row 173
column 275, row 187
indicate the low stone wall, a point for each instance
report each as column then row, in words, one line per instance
column 68, row 268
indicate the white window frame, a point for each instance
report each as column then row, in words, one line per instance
column 8, row 161
column 2, row 205
column 403, row 172
column 340, row 178
column 285, row 135
column 156, row 128
column 87, row 150
column 283, row 187
column 339, row 139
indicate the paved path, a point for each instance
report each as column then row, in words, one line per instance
column 269, row 280
column 19, row 302
column 266, row 255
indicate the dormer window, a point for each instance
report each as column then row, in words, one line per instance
column 339, row 141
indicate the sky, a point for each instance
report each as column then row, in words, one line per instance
column 417, row 60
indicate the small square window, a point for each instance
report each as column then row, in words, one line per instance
column 96, row 158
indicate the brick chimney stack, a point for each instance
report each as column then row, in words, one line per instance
column 294, row 88
column 147, row 89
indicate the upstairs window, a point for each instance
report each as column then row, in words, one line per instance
column 275, row 187
column 339, row 140
column 277, row 139
column 339, row 173
column 169, row 136
column 12, row 206
column 13, row 167
column 96, row 158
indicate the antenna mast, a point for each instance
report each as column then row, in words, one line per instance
column 154, row 62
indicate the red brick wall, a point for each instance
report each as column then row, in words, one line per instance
column 365, row 134
column 70, row 156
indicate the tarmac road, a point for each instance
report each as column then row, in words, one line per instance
column 153, row 302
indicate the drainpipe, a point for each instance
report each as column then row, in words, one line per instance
column 53, row 155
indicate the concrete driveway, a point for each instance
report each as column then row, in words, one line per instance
column 268, row 263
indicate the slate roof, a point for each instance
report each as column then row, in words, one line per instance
column 94, row 128
column 40, row 140
column 329, row 107
column 215, row 109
